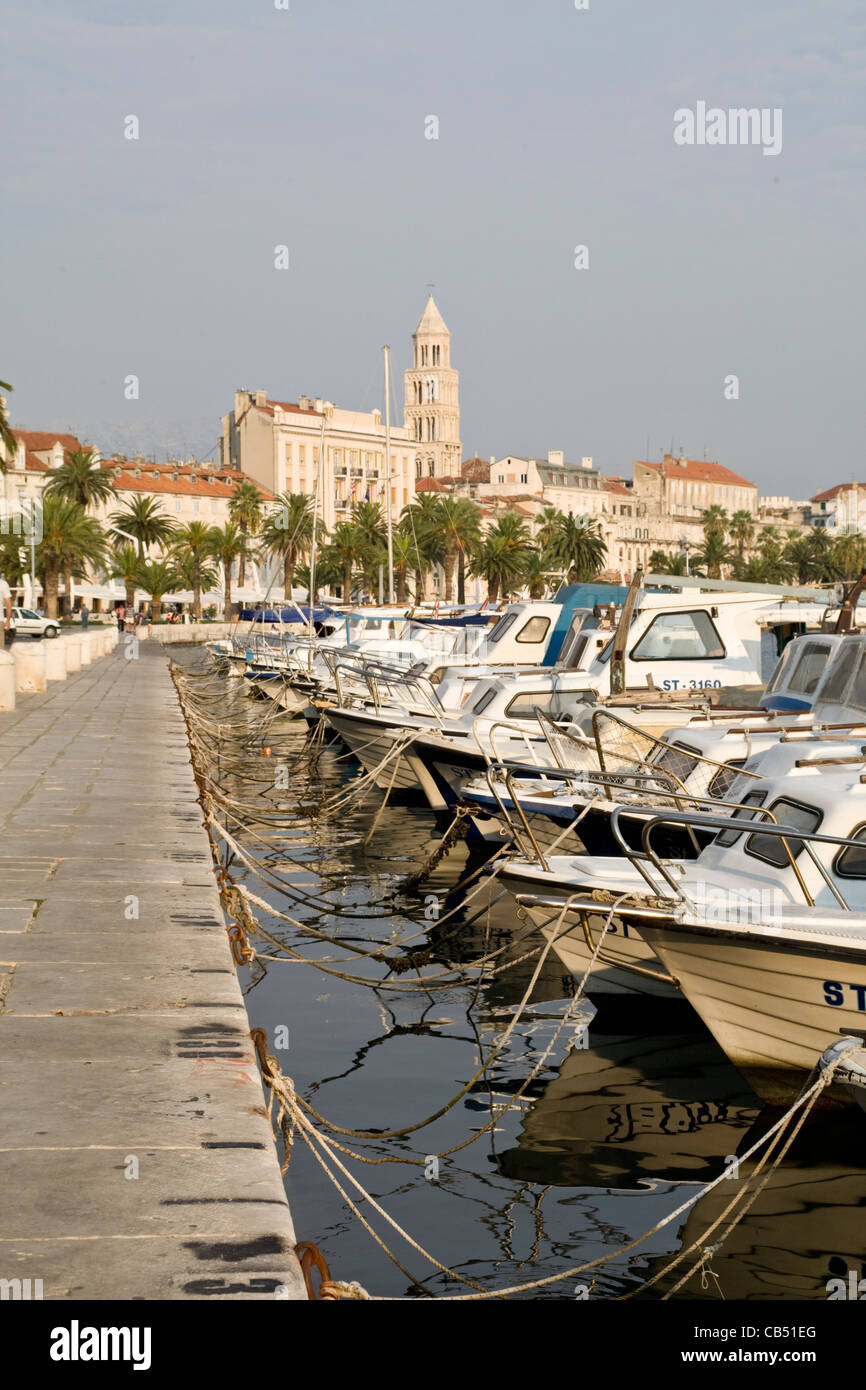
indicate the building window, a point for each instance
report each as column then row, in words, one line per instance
column 213, row 508
column 177, row 504
column 436, row 356
column 431, row 468
column 419, row 469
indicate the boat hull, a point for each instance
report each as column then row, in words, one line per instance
column 371, row 743
column 626, row 963
column 773, row 1009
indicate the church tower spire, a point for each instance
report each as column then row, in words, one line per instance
column 432, row 398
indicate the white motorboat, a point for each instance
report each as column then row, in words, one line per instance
column 764, row 933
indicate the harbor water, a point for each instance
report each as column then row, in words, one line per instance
column 620, row 1117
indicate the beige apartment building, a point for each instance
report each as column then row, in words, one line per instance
column 575, row 488
column 279, row 444
column 38, row 452
column 197, row 490
column 681, row 487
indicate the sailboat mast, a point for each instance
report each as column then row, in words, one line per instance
column 387, row 353
column 312, row 595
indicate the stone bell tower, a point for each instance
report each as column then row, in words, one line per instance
column 432, row 398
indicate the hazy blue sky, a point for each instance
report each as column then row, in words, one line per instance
column 260, row 126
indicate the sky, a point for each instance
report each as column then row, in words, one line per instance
column 307, row 126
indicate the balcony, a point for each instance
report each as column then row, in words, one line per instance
column 339, row 472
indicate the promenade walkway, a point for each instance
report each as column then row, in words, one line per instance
column 136, row 1160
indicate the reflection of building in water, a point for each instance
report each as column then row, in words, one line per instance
column 628, row 1109
column 804, row 1229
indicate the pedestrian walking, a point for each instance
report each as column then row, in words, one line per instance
column 7, row 612
column 84, row 612
column 120, row 611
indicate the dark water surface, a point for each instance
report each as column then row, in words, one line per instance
column 604, row 1142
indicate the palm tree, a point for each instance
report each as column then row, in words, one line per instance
column 369, row 523
column 535, row 574
column 80, row 478
column 849, row 556
column 158, row 578
column 7, row 438
column 287, row 534
column 814, row 557
column 125, row 564
column 70, row 540
column 422, row 520
column 546, row 524
column 326, row 574
column 193, row 572
column 459, row 525
column 190, row 547
column 742, row 530
column 663, row 562
column 227, row 544
column 714, row 552
column 14, row 559
column 405, row 558
column 245, row 510
column 498, row 562
column 346, row 552
column 145, row 521
column 715, row 518
column 577, row 546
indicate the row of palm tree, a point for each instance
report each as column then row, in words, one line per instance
column 804, row 557
column 434, row 531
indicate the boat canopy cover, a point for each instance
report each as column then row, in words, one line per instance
column 291, row 613
column 473, row 617
column 588, row 595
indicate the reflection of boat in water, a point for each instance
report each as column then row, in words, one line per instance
column 806, row 1227
column 628, row 1109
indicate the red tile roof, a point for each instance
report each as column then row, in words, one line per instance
column 41, row 440
column 617, row 485
column 190, row 481
column 832, row 492
column 475, row 470
column 697, row 471
column 429, row 485
column 270, row 406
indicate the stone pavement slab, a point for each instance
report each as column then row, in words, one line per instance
column 136, row 1158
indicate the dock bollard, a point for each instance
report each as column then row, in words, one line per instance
column 7, row 682
column 73, row 652
column 86, row 650
column 29, row 658
column 55, row 660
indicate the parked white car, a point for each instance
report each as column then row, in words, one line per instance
column 29, row 624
